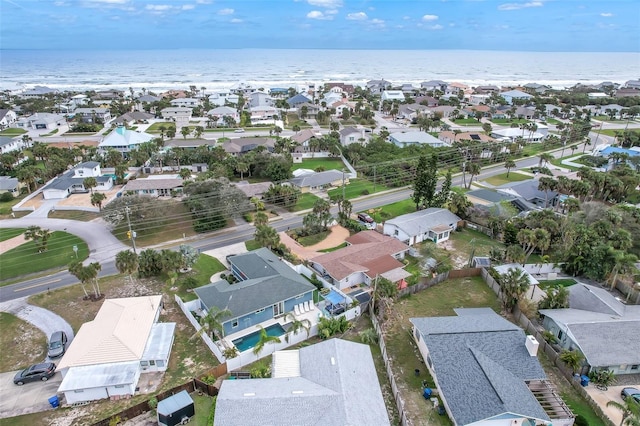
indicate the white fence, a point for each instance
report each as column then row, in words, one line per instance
column 194, row 305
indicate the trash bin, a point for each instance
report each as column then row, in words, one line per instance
column 584, row 380
column 54, row 401
column 427, row 393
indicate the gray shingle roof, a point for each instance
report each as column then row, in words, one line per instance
column 317, row 179
column 481, row 364
column 528, row 190
column 594, row 299
column 269, row 281
column 608, row 343
column 424, row 220
column 338, row 385
column 8, row 183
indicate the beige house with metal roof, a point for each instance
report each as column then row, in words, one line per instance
column 108, row 354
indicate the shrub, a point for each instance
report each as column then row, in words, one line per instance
column 6, row 196
column 230, row 352
column 209, row 379
column 580, row 421
column 189, row 283
column 153, row 403
column 260, row 371
column 365, row 192
column 368, row 336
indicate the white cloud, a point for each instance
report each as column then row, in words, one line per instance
column 428, row 18
column 406, row 18
column 226, row 11
column 158, row 7
column 435, row 27
column 606, row 15
column 316, row 14
column 377, row 22
column 108, row 1
column 329, row 4
column 236, row 21
column 60, row 3
column 204, row 1
column 331, row 12
column 188, row 7
column 518, row 6
column 358, row 16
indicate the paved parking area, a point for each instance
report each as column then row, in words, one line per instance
column 29, row 398
column 603, row 397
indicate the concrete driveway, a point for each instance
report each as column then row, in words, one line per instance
column 29, row 398
column 603, row 397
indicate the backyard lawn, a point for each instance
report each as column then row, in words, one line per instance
column 357, row 188
column 314, row 163
column 28, row 344
column 468, row 242
column 613, row 132
column 502, row 178
column 305, row 201
column 25, row 258
column 12, row 131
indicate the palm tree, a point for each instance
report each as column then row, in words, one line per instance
column 28, row 175
column 97, row 199
column 513, row 284
column 264, row 340
column 212, row 322
column 296, row 326
column 630, row 410
column 77, row 270
column 90, row 183
column 544, row 157
column 474, row 170
column 127, row 263
column 242, row 168
column 509, row 164
column 573, row 358
column 185, row 131
column 92, row 273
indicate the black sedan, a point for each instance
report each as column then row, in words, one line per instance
column 35, row 372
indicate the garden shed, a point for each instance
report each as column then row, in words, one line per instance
column 176, row 410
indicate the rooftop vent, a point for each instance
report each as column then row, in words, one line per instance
column 333, row 361
column 532, row 345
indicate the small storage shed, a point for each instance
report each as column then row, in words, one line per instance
column 175, row 410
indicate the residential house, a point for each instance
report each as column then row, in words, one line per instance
column 108, row 355
column 450, row 137
column 221, row 112
column 223, row 98
column 514, row 133
column 433, row 85
column 319, row 180
column 488, row 197
column 260, row 99
column 333, row 381
column 311, row 110
column 8, row 144
column 331, row 98
column 278, row 92
column 149, row 99
column 41, row 121
column 486, row 89
column 93, row 115
column 252, row 190
column 433, row 224
column 614, row 154
column 124, row 140
column 403, row 139
column 185, row 102
column 10, row 185
column 510, row 95
column 131, row 118
column 241, row 146
column 261, row 113
column 189, row 143
column 454, row 89
column 39, row 92
column 534, row 291
column 412, row 111
column 155, row 187
column 528, row 191
column 72, row 181
column 478, row 99
column 624, row 92
column 445, row 110
column 486, row 371
column 302, row 139
column 536, row 88
column 7, row 118
column 242, row 88
column 174, row 94
column 109, row 94
column 298, row 99
column 527, row 113
column 348, row 89
column 429, row 101
column 632, row 84
column 393, row 95
column 408, row 88
column 179, row 115
column 600, row 326
column 267, row 288
column 350, row 135
column 378, row 86
column 368, row 254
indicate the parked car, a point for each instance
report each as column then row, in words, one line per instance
column 238, row 131
column 630, row 392
column 34, row 373
column 363, row 217
column 57, row 344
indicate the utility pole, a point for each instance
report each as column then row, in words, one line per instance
column 374, row 178
column 131, row 234
column 343, row 177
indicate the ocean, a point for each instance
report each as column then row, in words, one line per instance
column 217, row 69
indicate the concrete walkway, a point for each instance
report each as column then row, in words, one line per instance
column 41, row 318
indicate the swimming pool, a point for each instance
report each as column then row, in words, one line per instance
column 334, row 297
column 250, row 340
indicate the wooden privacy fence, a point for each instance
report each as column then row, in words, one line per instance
column 144, row 407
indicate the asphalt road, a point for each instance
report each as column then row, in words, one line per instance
column 104, row 246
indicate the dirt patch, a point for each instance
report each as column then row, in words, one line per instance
column 35, row 202
column 337, row 236
column 459, row 260
column 28, row 344
column 84, row 200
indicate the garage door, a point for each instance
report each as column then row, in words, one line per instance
column 85, row 395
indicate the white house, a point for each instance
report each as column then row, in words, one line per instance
column 179, row 115
column 124, row 140
column 73, row 181
column 512, row 133
column 108, row 354
column 261, row 113
column 41, row 121
column 223, row 98
column 7, row 118
column 185, row 102
column 91, row 115
column 433, row 224
column 510, row 95
column 403, row 139
column 224, row 111
column 8, row 144
column 258, row 98
column 393, row 95
column 350, row 135
column 154, row 187
column 9, row 184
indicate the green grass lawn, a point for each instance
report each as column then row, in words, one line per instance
column 566, row 282
column 205, row 267
column 25, row 259
column 314, row 163
column 8, row 233
column 5, row 206
column 305, row 201
column 502, row 178
column 506, row 121
column 155, row 127
column 203, row 405
column 313, row 239
column 612, row 132
column 12, row 131
column 390, row 211
column 467, row 122
column 553, row 121
column 357, row 188
column 466, row 240
column 28, row 344
column 73, row 215
column 252, row 245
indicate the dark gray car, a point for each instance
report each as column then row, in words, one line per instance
column 57, row 344
column 35, row 372
column 631, row 393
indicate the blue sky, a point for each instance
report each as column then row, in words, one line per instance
column 537, row 25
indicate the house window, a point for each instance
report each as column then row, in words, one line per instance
column 160, row 363
column 119, row 386
column 300, row 297
column 395, row 232
column 560, row 334
column 260, row 311
column 635, row 366
column 152, row 363
column 144, row 363
column 234, row 324
column 78, row 391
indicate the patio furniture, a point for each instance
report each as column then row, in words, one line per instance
column 311, row 305
column 302, row 309
column 306, row 306
column 296, row 310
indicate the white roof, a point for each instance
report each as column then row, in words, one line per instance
column 118, row 333
column 123, row 137
column 503, row 269
column 515, row 132
column 160, row 340
column 100, row 376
